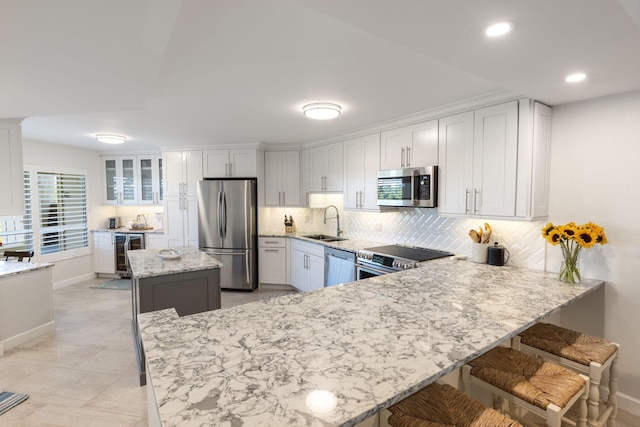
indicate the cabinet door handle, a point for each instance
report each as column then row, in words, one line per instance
column 475, row 200
column 466, row 200
column 402, row 157
column 307, row 261
column 362, row 200
column 307, row 198
column 271, row 250
column 408, row 156
column 284, row 202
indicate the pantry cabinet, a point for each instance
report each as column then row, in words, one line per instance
column 183, row 171
column 325, row 168
column 362, row 162
column 307, row 265
column 282, row 178
column 274, row 266
column 410, row 146
column 226, row 163
column 11, row 169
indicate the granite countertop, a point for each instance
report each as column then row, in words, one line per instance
column 10, row 268
column 148, row 263
column 128, row 230
column 338, row 355
column 351, row 245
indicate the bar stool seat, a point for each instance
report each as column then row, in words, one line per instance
column 441, row 405
column 582, row 353
column 540, row 387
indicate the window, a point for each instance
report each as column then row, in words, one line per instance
column 62, row 212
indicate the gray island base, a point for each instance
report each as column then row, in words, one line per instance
column 189, row 284
column 336, row 356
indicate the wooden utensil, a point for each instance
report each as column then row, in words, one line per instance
column 474, row 236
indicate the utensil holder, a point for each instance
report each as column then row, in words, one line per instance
column 479, row 252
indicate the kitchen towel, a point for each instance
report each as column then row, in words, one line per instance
column 9, row 399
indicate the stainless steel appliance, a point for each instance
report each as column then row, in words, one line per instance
column 114, row 222
column 381, row 260
column 339, row 266
column 124, row 242
column 410, row 187
column 227, row 229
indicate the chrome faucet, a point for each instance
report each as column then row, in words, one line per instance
column 337, row 217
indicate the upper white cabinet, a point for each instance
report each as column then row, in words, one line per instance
column 120, row 175
column 494, row 161
column 362, row 161
column 224, row 163
column 325, row 167
column 11, row 170
column 305, row 179
column 149, row 182
column 410, row 146
column 282, row 178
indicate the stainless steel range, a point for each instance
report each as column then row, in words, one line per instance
column 381, row 260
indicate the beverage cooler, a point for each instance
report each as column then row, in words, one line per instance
column 124, row 242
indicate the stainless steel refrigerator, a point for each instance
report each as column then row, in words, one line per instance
column 228, row 229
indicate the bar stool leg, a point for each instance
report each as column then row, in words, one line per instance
column 595, row 375
column 612, row 400
column 582, row 408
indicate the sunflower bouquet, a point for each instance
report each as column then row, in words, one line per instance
column 572, row 238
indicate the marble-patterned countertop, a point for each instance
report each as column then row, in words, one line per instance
column 351, row 245
column 338, row 355
column 10, row 268
column 128, row 230
column 148, row 263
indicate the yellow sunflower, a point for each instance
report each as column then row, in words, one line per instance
column 586, row 237
column 554, row 236
column 569, row 231
column 547, row 229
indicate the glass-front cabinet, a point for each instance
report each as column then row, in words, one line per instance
column 133, row 180
column 150, row 180
column 120, row 177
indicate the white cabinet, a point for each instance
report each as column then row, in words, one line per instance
column 223, row 163
column 362, row 161
column 103, row 253
column 11, row 170
column 150, row 180
column 305, row 182
column 154, row 241
column 478, row 170
column 282, row 178
column 307, row 265
column 273, row 260
column 325, row 167
column 183, row 171
column 120, row 174
column 410, row 146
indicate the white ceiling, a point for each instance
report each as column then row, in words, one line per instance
column 170, row 73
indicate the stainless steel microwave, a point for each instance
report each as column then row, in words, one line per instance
column 410, row 187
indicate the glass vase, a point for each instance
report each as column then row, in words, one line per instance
column 570, row 270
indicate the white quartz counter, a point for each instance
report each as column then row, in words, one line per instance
column 341, row 354
column 10, row 268
column 351, row 245
column 129, row 230
column 148, row 263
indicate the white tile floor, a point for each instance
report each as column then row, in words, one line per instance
column 84, row 373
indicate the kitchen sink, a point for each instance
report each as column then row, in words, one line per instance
column 325, row 238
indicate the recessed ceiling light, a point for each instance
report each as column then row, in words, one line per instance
column 321, row 111
column 110, row 139
column 499, row 29
column 575, row 77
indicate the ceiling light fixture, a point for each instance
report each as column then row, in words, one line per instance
column 321, row 111
column 575, row 77
column 110, row 138
column 499, row 29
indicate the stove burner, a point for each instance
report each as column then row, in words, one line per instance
column 398, row 257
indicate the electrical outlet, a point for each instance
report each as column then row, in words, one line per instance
column 378, row 226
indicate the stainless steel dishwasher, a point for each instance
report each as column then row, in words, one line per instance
column 339, row 266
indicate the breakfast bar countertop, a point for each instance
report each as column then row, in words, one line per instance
column 338, row 355
column 149, row 263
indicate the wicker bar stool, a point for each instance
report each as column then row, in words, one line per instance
column 529, row 383
column 583, row 353
column 441, row 405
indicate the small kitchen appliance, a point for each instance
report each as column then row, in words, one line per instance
column 113, row 222
column 410, row 187
column 381, row 260
column 497, row 255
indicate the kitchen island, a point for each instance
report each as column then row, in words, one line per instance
column 187, row 283
column 339, row 355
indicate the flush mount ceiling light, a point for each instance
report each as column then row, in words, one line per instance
column 321, row 111
column 575, row 77
column 499, row 29
column 110, row 138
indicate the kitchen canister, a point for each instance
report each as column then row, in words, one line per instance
column 497, row 255
column 479, row 252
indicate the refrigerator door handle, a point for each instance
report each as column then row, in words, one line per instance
column 224, row 215
column 219, row 214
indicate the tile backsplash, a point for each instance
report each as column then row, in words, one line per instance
column 416, row 227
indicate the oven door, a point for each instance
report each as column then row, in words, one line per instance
column 367, row 271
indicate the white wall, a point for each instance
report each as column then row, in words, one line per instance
column 70, row 271
column 595, row 176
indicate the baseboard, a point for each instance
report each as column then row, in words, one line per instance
column 275, row 287
column 629, row 404
column 26, row 336
column 73, row 280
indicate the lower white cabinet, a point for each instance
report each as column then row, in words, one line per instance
column 103, row 253
column 307, row 265
column 154, row 241
column 274, row 267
